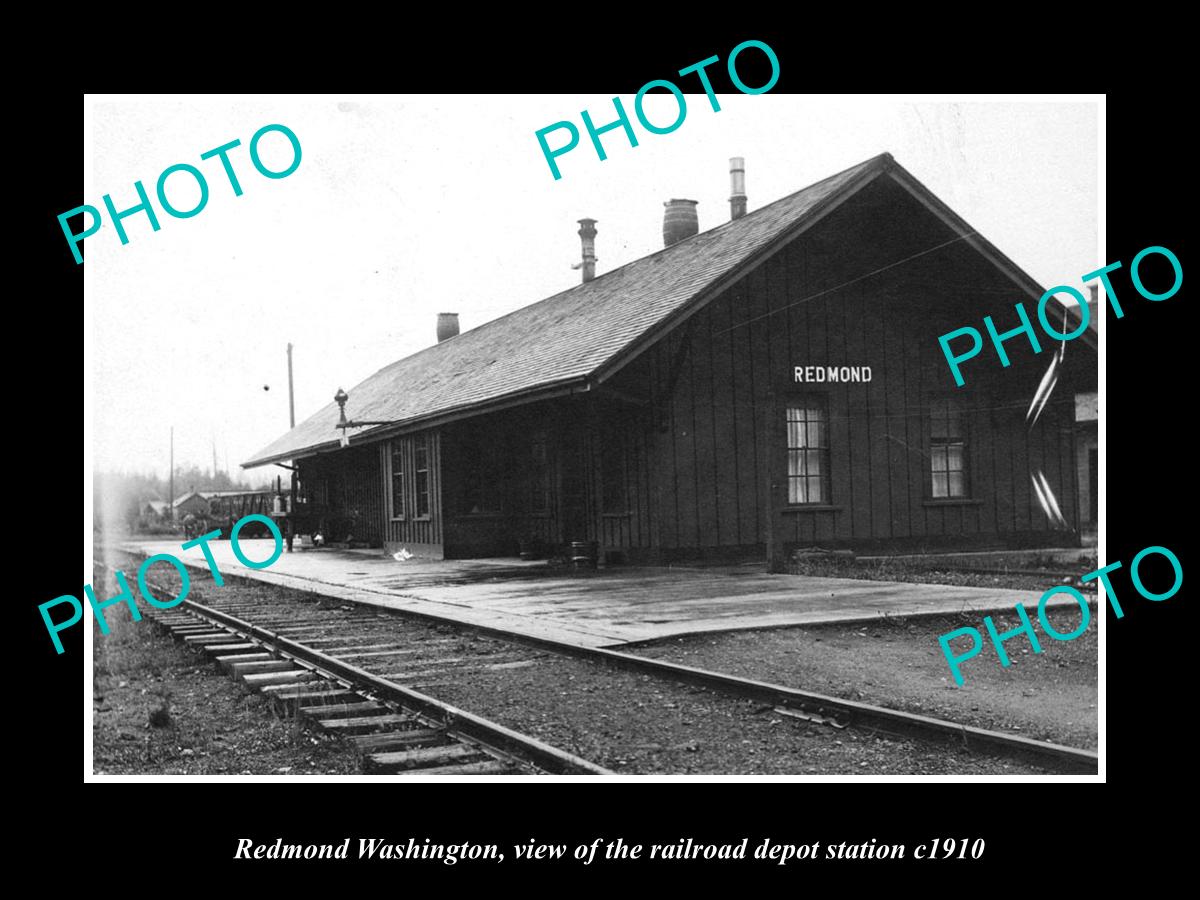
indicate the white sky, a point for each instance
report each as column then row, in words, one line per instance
column 404, row 207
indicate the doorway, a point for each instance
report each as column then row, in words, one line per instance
column 573, row 486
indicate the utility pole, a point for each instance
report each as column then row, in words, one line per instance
column 291, row 536
column 291, row 396
column 171, row 477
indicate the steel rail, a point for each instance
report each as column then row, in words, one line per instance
column 848, row 713
column 474, row 728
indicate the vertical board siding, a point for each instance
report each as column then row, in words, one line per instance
column 410, row 529
column 718, row 486
column 349, row 480
column 699, row 417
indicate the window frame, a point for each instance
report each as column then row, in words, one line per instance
column 807, row 401
column 957, row 408
column 396, row 448
column 420, row 443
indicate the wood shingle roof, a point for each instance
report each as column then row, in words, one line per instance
column 566, row 339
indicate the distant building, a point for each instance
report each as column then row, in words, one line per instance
column 192, row 502
column 155, row 510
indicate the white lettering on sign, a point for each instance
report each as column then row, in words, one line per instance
column 834, row 374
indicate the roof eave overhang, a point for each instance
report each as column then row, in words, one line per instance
column 574, row 385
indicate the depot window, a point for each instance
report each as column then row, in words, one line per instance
column 397, row 473
column 808, row 451
column 947, row 449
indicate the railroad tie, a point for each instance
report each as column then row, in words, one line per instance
column 246, row 666
column 303, row 682
column 389, row 740
column 292, row 676
column 226, row 662
column 213, row 638
column 295, row 697
column 363, row 724
column 483, row 767
column 424, row 759
column 399, row 740
column 231, row 649
column 345, row 710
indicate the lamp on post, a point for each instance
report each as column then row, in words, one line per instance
column 340, row 398
column 344, row 424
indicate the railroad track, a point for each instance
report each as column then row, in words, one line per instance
column 397, row 730
column 336, row 637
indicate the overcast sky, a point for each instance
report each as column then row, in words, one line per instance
column 404, row 207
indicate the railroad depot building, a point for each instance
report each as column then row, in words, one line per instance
column 772, row 383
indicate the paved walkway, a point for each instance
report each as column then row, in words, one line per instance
column 595, row 609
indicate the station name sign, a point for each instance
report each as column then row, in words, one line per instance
column 835, row 374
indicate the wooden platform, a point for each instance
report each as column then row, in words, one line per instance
column 605, row 608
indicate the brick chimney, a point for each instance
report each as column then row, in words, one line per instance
column 680, row 221
column 737, row 182
column 447, row 326
column 587, row 235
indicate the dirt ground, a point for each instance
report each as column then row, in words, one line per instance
column 1022, row 572
column 899, row 663
column 161, row 709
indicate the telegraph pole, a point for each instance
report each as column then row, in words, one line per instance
column 292, row 423
column 171, row 477
column 291, row 396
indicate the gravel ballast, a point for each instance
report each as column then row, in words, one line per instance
column 898, row 663
column 626, row 721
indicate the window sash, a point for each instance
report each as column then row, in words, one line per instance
column 421, row 469
column 947, row 450
column 397, row 473
column 808, row 453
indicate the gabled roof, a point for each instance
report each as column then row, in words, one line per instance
column 557, row 345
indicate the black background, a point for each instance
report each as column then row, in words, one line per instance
column 191, row 831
